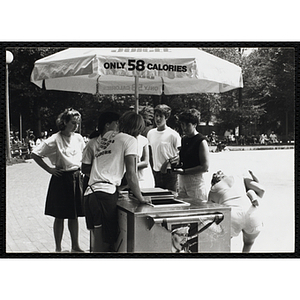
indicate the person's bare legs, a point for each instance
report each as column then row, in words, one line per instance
column 58, row 229
column 248, row 240
column 253, row 197
column 73, row 228
column 253, row 176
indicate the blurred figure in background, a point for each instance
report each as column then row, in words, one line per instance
column 273, row 138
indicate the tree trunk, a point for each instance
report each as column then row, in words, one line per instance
column 286, row 125
column 38, row 123
column 240, row 102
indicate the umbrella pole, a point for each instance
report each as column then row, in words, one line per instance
column 136, row 94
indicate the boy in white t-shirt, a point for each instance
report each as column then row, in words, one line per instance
column 117, row 152
column 107, row 121
column 165, row 144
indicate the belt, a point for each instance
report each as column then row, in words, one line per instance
column 90, row 186
column 71, row 170
column 169, row 171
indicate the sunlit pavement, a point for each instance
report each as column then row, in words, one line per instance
column 28, row 230
column 275, row 170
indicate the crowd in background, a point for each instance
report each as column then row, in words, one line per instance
column 23, row 148
column 230, row 139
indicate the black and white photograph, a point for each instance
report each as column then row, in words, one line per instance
column 110, row 147
column 149, row 150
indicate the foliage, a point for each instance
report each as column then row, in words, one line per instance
column 26, row 98
column 270, row 86
column 267, row 98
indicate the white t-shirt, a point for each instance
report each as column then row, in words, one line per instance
column 108, row 166
column 90, row 149
column 64, row 152
column 231, row 192
column 164, row 145
column 145, row 176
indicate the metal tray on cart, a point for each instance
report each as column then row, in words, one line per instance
column 161, row 198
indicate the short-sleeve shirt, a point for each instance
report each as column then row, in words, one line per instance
column 108, row 166
column 145, row 175
column 64, row 152
column 164, row 145
column 90, row 149
column 232, row 194
column 142, row 142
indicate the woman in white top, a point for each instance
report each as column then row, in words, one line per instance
column 145, row 175
column 64, row 197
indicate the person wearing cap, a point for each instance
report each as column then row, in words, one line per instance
column 241, row 194
column 179, row 239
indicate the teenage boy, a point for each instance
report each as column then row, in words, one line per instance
column 165, row 144
column 115, row 154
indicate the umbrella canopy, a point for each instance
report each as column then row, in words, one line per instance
column 151, row 71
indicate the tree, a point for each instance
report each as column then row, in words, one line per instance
column 26, row 98
column 267, row 97
column 269, row 90
column 40, row 107
column 228, row 107
column 270, row 85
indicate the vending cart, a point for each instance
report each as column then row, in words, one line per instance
column 149, row 228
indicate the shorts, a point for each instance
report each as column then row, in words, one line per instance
column 192, row 186
column 248, row 221
column 101, row 210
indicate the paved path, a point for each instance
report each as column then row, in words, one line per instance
column 29, row 230
column 275, row 170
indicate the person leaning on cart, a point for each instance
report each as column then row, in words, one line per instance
column 116, row 153
column 107, row 121
column 193, row 158
column 64, row 149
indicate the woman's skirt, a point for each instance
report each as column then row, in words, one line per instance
column 65, row 194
